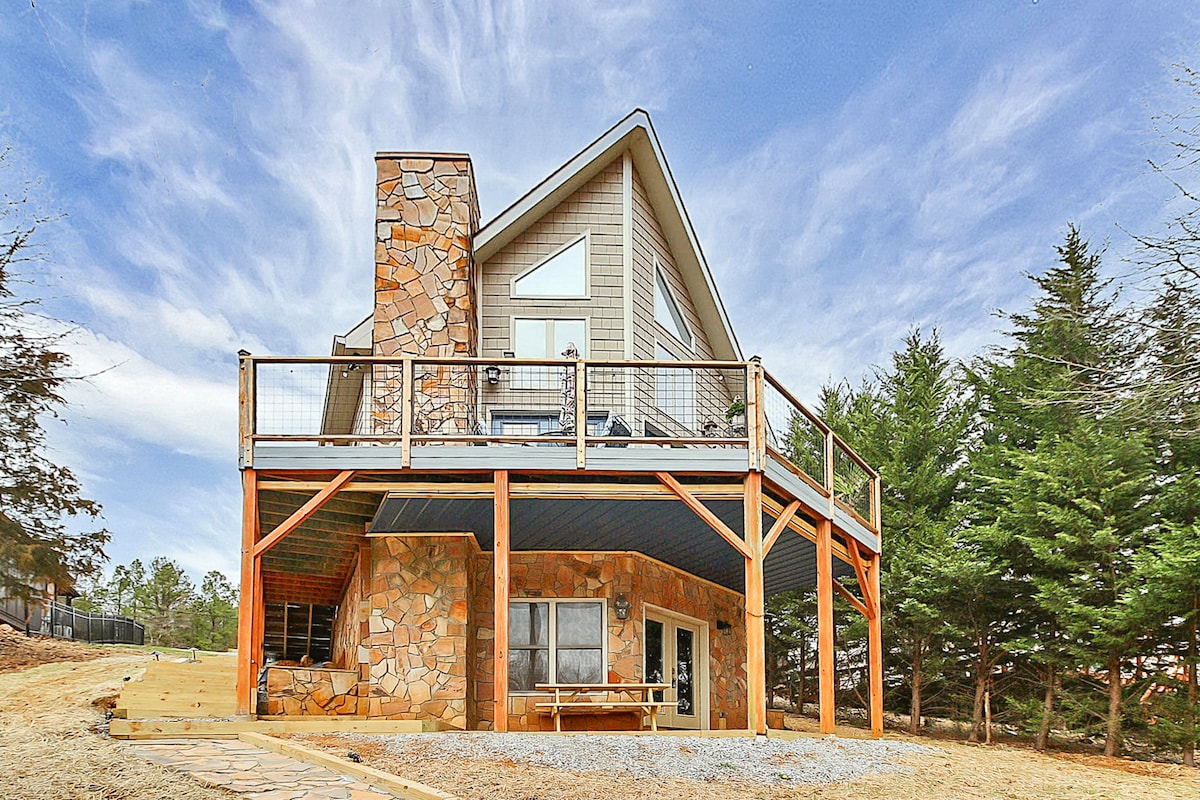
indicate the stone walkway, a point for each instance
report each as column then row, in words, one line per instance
column 252, row 771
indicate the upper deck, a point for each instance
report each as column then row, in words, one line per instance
column 589, row 417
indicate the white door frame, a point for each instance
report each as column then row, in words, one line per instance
column 701, row 659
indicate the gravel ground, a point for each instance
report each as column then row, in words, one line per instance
column 758, row 759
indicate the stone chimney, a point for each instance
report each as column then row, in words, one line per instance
column 425, row 283
column 425, row 286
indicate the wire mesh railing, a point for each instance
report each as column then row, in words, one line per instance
column 793, row 431
column 852, row 482
column 410, row 401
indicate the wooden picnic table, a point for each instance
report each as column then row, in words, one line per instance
column 567, row 699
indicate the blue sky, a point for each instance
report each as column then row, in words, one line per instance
column 875, row 165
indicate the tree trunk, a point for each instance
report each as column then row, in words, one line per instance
column 1189, row 749
column 977, row 710
column 1112, row 739
column 981, row 685
column 1043, row 737
column 987, row 716
column 914, row 706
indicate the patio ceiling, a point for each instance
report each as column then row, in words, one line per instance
column 663, row 529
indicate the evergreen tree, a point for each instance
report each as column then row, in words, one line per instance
column 1172, row 562
column 914, row 427
column 922, row 435
column 214, row 614
column 1065, row 483
column 162, row 600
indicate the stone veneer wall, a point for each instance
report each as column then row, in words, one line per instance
column 312, row 692
column 425, row 287
column 604, row 575
column 414, row 655
column 348, row 631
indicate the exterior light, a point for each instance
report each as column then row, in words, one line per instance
column 621, row 605
column 492, row 373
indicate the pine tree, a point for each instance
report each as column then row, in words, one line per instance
column 214, row 613
column 1171, row 564
column 914, row 427
column 1065, row 482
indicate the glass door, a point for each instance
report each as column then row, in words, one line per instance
column 674, row 654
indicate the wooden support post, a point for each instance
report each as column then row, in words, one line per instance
column 500, row 552
column 247, row 672
column 259, row 622
column 825, row 623
column 875, row 648
column 756, row 641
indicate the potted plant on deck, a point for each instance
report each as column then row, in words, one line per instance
column 735, row 415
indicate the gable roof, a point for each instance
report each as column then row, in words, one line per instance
column 635, row 134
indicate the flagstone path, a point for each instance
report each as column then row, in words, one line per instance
column 258, row 774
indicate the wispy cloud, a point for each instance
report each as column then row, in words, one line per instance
column 216, row 164
column 180, row 411
column 899, row 213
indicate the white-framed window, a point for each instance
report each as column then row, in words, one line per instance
column 562, row 274
column 675, row 390
column 667, row 311
column 537, row 423
column 544, row 338
column 556, row 641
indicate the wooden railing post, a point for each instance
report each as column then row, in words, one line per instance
column 406, row 411
column 829, row 462
column 246, row 414
column 580, row 414
column 877, row 505
column 756, row 416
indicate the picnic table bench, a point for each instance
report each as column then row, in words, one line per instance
column 571, row 698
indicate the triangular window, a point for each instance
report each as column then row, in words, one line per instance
column 667, row 311
column 563, row 274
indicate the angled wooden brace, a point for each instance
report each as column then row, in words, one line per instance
column 305, row 511
column 781, row 524
column 702, row 511
column 860, row 571
column 851, row 599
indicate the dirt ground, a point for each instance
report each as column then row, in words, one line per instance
column 49, row 750
column 18, row 651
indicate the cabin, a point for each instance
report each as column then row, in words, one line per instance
column 539, row 486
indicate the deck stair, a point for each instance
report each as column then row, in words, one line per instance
column 182, row 688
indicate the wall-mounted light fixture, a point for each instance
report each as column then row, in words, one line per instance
column 492, row 373
column 723, row 626
column 621, row 605
column 348, row 369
